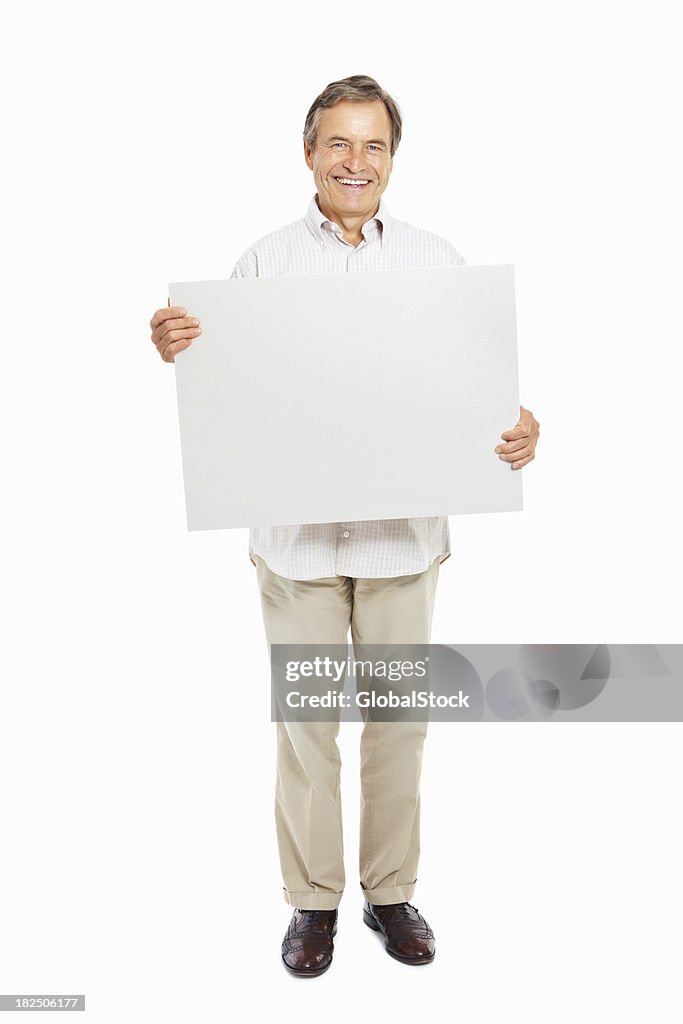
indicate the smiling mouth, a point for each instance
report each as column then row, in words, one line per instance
column 353, row 182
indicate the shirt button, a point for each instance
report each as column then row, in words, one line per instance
column 346, row 533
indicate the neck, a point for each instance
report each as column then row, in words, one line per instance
column 350, row 224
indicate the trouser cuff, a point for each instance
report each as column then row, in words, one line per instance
column 308, row 900
column 390, row 894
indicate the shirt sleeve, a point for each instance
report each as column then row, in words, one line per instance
column 247, row 265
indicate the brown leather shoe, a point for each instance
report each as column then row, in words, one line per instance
column 407, row 936
column 307, row 947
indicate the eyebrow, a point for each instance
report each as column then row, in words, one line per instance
column 342, row 138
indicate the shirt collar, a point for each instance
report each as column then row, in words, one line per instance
column 315, row 220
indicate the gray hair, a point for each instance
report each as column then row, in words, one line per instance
column 357, row 89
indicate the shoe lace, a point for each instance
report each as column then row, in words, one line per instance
column 399, row 909
column 316, row 919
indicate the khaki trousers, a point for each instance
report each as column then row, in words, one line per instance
column 308, row 813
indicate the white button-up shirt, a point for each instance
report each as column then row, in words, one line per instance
column 380, row 547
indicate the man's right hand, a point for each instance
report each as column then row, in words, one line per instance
column 173, row 330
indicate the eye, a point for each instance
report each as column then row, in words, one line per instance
column 372, row 146
column 337, row 145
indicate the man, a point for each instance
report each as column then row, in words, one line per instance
column 376, row 578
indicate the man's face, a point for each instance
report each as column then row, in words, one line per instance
column 353, row 144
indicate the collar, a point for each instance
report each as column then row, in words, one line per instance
column 315, row 220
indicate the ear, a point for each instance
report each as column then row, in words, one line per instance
column 308, row 155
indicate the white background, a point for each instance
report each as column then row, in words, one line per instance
column 148, row 142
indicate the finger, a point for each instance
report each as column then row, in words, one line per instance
column 519, row 430
column 187, row 323
column 171, row 337
column 163, row 337
column 527, row 427
column 515, row 456
column 176, row 337
column 176, row 324
column 170, row 352
column 511, row 446
column 523, row 462
column 167, row 314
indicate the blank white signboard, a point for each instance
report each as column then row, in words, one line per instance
column 339, row 397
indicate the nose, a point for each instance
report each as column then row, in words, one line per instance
column 353, row 161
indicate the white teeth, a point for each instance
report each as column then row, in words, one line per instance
column 352, row 181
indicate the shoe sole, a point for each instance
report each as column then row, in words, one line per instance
column 413, row 962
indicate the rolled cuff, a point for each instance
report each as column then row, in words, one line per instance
column 308, row 900
column 390, row 894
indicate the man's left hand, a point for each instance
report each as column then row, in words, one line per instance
column 521, row 440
